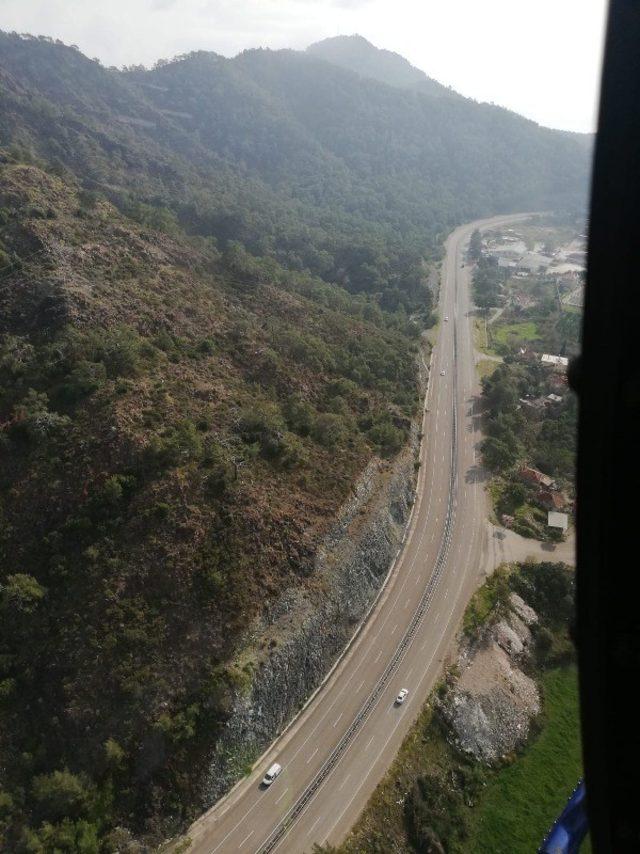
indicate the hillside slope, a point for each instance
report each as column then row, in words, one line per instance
column 213, row 284
column 177, row 430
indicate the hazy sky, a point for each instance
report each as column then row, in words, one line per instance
column 540, row 58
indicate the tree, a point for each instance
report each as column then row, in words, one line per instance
column 498, row 455
column 549, row 589
column 119, row 349
column 544, row 642
column 221, row 472
column 114, row 754
column 499, row 390
column 182, row 443
column 300, row 416
column 475, row 246
column 21, row 593
column 83, row 380
column 79, row 837
column 33, row 420
column 569, row 327
column 513, row 497
column 388, row 438
column 329, row 429
column 60, row 794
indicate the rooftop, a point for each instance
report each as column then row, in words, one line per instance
column 548, row 359
column 558, row 520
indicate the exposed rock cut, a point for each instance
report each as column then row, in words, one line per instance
column 493, row 703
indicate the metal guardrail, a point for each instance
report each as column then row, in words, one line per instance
column 287, row 822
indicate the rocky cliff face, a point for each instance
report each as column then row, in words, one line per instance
column 295, row 644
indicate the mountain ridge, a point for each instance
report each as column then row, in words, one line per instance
column 241, row 98
column 357, row 54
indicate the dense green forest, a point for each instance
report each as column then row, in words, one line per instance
column 213, row 286
column 285, row 152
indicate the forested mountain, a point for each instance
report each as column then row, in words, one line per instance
column 213, row 281
column 280, row 126
column 359, row 55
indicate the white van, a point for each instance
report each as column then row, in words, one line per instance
column 271, row 774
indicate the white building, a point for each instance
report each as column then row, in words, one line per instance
column 556, row 361
column 557, row 520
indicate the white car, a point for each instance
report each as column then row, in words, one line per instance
column 400, row 698
column 446, row 319
column 441, row 373
column 271, row 774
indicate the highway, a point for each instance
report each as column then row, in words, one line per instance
column 342, row 743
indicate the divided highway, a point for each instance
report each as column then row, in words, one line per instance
column 343, row 742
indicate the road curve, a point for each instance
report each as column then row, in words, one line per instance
column 343, row 742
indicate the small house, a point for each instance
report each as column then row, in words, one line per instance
column 536, row 478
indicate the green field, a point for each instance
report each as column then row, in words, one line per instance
column 486, row 367
column 480, row 337
column 504, row 333
column 522, row 800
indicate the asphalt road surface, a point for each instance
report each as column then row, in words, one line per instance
column 343, row 742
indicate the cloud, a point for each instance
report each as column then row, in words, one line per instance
column 340, row 4
column 351, row 4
